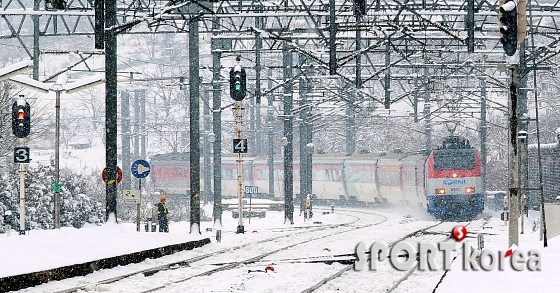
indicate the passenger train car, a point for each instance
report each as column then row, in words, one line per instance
column 447, row 182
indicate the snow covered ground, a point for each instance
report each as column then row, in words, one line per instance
column 40, row 250
column 48, row 249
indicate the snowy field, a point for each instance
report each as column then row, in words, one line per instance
column 48, row 249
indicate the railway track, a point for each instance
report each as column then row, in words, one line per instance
column 349, row 267
column 293, row 237
column 394, row 279
column 241, row 260
column 231, row 267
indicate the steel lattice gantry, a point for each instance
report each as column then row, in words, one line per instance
column 322, row 59
column 381, row 52
column 429, row 54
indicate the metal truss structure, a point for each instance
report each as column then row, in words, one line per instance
column 430, row 54
column 441, row 59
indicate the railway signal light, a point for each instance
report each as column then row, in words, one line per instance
column 21, row 118
column 508, row 28
column 237, row 83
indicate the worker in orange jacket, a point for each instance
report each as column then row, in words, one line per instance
column 162, row 215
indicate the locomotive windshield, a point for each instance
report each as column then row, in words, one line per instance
column 453, row 159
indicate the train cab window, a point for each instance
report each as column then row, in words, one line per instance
column 453, row 159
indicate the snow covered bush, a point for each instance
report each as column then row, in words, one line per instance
column 80, row 200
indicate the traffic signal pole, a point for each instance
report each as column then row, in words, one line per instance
column 239, row 119
column 513, row 163
column 22, row 196
column 508, row 31
column 238, row 90
column 56, row 165
column 21, row 126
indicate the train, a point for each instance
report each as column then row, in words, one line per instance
column 446, row 182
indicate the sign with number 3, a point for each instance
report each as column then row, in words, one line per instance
column 21, row 155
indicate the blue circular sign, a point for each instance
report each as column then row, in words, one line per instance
column 140, row 169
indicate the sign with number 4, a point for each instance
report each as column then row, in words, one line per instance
column 240, row 145
column 21, row 155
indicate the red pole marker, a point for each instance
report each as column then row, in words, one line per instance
column 326, row 249
column 510, row 251
column 269, row 268
column 459, row 233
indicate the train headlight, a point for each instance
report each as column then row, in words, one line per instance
column 440, row 191
column 470, row 190
column 454, row 175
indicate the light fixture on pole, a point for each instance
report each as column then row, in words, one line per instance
column 15, row 69
column 30, row 84
column 284, row 141
column 59, row 86
column 211, row 137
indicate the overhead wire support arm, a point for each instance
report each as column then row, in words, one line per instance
column 166, row 13
column 440, row 27
column 308, row 54
column 351, row 57
column 281, row 85
column 125, row 26
column 383, row 70
column 82, row 60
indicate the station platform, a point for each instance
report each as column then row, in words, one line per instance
column 45, row 255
